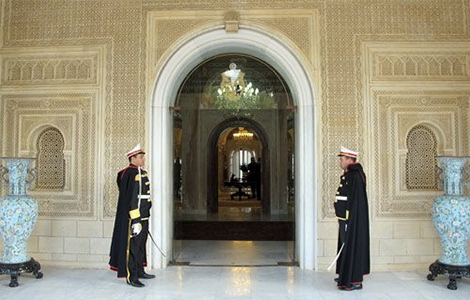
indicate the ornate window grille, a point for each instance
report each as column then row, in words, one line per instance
column 50, row 160
column 421, row 159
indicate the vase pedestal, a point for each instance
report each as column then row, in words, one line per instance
column 453, row 272
column 15, row 270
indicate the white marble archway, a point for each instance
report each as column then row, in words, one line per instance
column 291, row 65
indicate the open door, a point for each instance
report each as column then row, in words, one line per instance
column 283, row 207
column 290, row 186
column 178, row 198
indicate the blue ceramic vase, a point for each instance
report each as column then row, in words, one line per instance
column 451, row 213
column 18, row 215
column 451, row 218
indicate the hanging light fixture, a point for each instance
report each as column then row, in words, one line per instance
column 242, row 134
column 234, row 93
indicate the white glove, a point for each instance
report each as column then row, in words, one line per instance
column 136, row 229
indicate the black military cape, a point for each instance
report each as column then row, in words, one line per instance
column 354, row 261
column 121, row 233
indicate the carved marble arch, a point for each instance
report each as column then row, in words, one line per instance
column 50, row 159
column 422, row 144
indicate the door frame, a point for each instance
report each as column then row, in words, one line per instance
column 289, row 61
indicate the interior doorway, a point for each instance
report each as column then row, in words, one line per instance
column 232, row 146
column 239, row 173
column 233, row 164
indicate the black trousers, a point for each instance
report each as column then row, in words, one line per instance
column 135, row 263
column 342, row 231
column 253, row 190
column 342, row 239
column 256, row 189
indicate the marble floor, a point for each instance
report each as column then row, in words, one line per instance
column 234, row 210
column 199, row 283
column 232, row 253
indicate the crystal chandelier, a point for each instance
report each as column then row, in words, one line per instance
column 242, row 134
column 235, row 92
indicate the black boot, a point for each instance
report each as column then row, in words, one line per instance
column 136, row 283
column 144, row 275
column 351, row 287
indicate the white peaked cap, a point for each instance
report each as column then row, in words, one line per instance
column 136, row 150
column 347, row 152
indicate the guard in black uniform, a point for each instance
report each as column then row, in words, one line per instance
column 128, row 252
column 351, row 208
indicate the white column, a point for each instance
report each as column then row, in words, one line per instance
column 306, row 185
column 161, row 171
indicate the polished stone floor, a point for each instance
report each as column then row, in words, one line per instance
column 231, row 253
column 234, row 210
column 218, row 283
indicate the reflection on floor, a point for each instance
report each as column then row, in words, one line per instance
column 234, row 210
column 219, row 283
column 225, row 200
column 235, row 214
column 241, row 220
column 234, row 253
column 256, row 204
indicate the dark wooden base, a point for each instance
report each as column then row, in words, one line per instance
column 454, row 273
column 14, row 270
column 235, row 230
